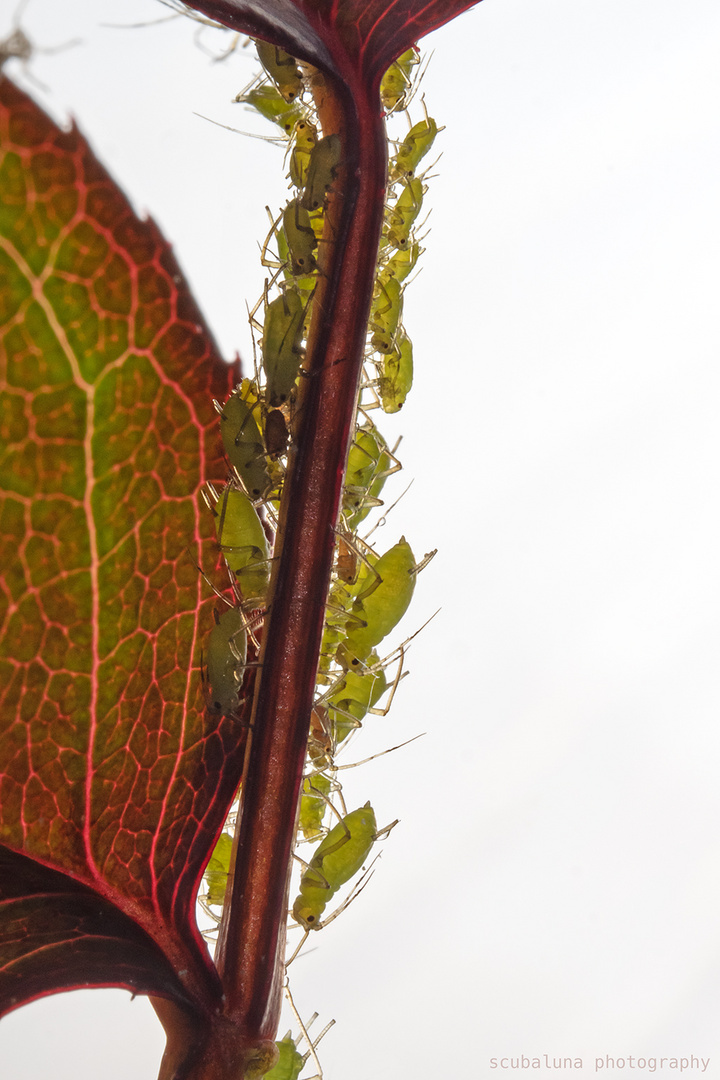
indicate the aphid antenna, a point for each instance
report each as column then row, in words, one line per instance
column 208, row 582
column 141, row 25
column 182, row 9
column 381, row 522
column 381, row 753
column 257, row 80
column 276, row 139
column 217, row 58
column 275, row 263
column 417, row 80
column 300, row 944
column 357, row 888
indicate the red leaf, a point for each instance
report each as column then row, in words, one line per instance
column 362, row 36
column 111, row 769
column 55, row 934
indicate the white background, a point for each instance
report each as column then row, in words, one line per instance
column 554, row 884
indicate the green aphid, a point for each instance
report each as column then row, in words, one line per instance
column 304, row 286
column 225, row 661
column 384, row 595
column 324, row 164
column 401, row 263
column 413, row 148
column 338, row 858
column 396, row 375
column 396, row 81
column 269, row 102
column 358, row 691
column 385, row 314
column 217, row 870
column 282, row 69
column 305, row 139
column 301, row 238
column 369, row 465
column 312, row 805
column 403, row 214
column 281, row 345
column 243, row 542
column 243, row 445
column 289, row 1063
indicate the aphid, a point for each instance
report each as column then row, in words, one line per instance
column 396, row 81
column 301, row 238
column 396, row 375
column 282, row 69
column 216, row 872
column 305, row 139
column 337, row 859
column 369, row 465
column 404, row 213
column 401, row 263
column 324, row 163
column 313, row 805
column 355, row 696
column 243, row 542
column 270, row 103
column 385, row 314
column 244, row 446
column 226, row 658
column 385, row 590
column 413, row 148
column 276, row 433
column 281, row 348
column 289, row 1063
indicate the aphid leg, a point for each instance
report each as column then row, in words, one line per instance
column 381, row 753
column 304, row 1028
column 271, row 264
column 424, row 561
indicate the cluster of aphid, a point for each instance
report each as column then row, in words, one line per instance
column 369, row 592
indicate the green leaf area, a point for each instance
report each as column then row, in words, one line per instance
column 112, row 770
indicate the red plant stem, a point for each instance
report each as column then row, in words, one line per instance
column 250, row 953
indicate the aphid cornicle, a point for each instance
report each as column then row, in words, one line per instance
column 225, row 661
column 243, row 542
column 338, row 858
column 324, row 163
column 396, row 375
column 289, row 1063
column 301, row 238
column 269, row 102
column 281, row 349
column 243, row 445
column 282, row 69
